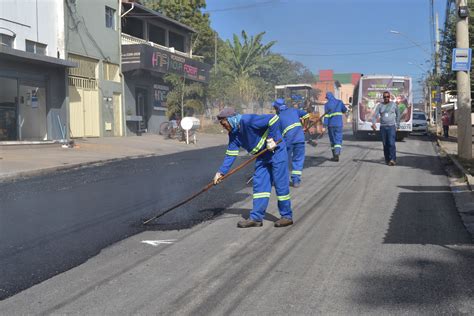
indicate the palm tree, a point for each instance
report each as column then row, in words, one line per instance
column 246, row 60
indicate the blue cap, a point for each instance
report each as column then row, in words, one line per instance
column 279, row 104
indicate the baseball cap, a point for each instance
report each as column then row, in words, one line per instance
column 226, row 112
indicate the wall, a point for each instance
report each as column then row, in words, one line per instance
column 88, row 36
column 145, row 82
column 346, row 91
column 35, row 20
column 54, row 80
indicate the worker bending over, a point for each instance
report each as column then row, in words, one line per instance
column 255, row 132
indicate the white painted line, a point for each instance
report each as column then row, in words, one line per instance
column 155, row 243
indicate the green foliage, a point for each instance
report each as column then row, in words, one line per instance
column 447, row 78
column 247, row 71
column 190, row 93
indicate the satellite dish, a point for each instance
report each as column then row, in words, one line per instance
column 187, row 123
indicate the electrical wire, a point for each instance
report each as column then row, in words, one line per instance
column 349, row 54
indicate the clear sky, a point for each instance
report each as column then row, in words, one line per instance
column 343, row 35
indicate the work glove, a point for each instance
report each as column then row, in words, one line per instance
column 271, row 145
column 218, row 178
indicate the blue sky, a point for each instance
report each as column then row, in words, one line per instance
column 343, row 35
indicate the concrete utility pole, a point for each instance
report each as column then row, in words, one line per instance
column 464, row 90
column 439, row 127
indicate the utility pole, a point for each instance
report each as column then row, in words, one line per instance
column 464, row 89
column 439, row 128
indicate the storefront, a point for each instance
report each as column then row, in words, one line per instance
column 33, row 100
column 144, row 67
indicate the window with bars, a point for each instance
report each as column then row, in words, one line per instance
column 86, row 67
column 111, row 72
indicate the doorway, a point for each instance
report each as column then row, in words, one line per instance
column 32, row 123
column 142, row 106
column 8, row 109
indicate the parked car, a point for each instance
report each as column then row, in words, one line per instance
column 420, row 124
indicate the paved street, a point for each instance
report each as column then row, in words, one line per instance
column 367, row 238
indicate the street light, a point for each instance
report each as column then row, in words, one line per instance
column 412, row 41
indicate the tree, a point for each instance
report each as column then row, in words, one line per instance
column 447, row 78
column 190, row 93
column 189, row 13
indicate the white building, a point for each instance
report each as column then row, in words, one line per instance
column 33, row 98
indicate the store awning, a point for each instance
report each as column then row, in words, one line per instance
column 7, row 53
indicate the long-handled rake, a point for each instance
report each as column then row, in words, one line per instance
column 208, row 186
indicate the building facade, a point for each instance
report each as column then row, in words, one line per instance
column 341, row 85
column 153, row 46
column 33, row 68
column 95, row 86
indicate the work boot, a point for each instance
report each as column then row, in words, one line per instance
column 246, row 223
column 392, row 163
column 282, row 222
column 335, row 158
column 295, row 184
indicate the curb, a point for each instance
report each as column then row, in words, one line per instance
column 467, row 175
column 462, row 192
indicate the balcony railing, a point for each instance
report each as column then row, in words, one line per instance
column 129, row 40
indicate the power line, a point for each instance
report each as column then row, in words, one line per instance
column 242, row 7
column 350, row 54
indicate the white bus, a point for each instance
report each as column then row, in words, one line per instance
column 368, row 93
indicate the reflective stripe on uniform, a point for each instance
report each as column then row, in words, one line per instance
column 337, row 146
column 283, row 197
column 261, row 195
column 297, row 172
column 333, row 114
column 260, row 143
column 290, row 127
column 232, row 152
column 304, row 117
column 273, row 120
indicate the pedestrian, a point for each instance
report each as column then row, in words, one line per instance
column 333, row 120
column 292, row 131
column 251, row 132
column 445, row 119
column 389, row 123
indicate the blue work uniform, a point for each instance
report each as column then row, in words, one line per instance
column 271, row 167
column 293, row 133
column 333, row 116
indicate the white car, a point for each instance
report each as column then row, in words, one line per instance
column 420, row 125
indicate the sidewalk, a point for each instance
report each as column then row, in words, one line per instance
column 28, row 160
column 462, row 188
column 450, row 146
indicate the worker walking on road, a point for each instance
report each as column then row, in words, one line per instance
column 252, row 132
column 333, row 120
column 292, row 131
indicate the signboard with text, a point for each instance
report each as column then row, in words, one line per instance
column 141, row 56
column 461, row 59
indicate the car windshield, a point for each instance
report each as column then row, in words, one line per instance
column 419, row 116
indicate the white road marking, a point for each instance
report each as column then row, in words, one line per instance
column 155, row 243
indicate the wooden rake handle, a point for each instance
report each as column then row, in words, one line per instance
column 209, row 185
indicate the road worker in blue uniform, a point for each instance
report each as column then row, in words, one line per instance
column 292, row 121
column 334, row 110
column 255, row 133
